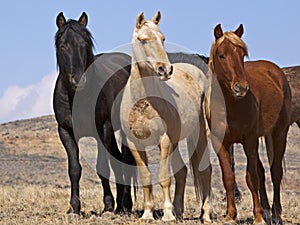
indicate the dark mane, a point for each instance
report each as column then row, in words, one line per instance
column 79, row 29
column 197, row 60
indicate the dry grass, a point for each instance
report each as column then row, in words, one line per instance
column 48, row 205
column 34, row 186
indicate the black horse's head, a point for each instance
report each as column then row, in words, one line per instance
column 74, row 49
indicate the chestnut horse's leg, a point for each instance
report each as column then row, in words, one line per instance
column 180, row 171
column 279, row 139
column 237, row 193
column 252, row 177
column 228, row 179
column 74, row 167
column 166, row 148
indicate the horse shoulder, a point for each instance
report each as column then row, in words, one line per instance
column 192, row 75
column 61, row 104
column 269, row 86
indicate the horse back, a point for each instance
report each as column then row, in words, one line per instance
column 270, row 87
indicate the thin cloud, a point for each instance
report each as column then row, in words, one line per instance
column 28, row 102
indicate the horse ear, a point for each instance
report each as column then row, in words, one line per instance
column 239, row 31
column 140, row 20
column 83, row 19
column 60, row 20
column 156, row 18
column 218, row 32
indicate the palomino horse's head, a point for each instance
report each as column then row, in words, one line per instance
column 148, row 46
column 74, row 49
column 227, row 60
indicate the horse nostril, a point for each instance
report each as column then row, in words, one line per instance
column 237, row 87
column 171, row 70
column 161, row 70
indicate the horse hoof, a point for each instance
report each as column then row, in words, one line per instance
column 72, row 211
column 205, row 220
column 109, row 204
column 168, row 218
column 277, row 221
column 229, row 221
column 259, row 221
column 122, row 211
column 147, row 216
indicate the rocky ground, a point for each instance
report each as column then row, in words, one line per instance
column 34, row 185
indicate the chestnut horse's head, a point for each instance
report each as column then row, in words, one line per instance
column 148, row 46
column 227, row 60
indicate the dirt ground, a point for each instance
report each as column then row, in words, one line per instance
column 35, row 188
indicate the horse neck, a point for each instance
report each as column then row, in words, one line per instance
column 144, row 83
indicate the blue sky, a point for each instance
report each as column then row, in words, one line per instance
column 27, row 58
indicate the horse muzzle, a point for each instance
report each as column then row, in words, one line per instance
column 164, row 72
column 239, row 89
column 78, row 84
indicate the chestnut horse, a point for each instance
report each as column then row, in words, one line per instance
column 162, row 104
column 256, row 101
column 293, row 76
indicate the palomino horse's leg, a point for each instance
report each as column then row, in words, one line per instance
column 145, row 175
column 252, row 177
column 74, row 167
column 180, row 171
column 166, row 147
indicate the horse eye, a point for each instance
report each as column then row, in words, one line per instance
column 143, row 42
column 221, row 56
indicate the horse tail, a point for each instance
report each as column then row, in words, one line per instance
column 199, row 154
column 129, row 168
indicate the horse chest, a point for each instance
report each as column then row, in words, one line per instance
column 242, row 119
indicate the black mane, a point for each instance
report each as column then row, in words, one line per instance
column 197, row 60
column 78, row 28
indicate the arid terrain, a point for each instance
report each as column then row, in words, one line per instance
column 35, row 188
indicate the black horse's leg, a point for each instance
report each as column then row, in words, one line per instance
column 74, row 167
column 103, row 169
column 116, row 160
column 130, row 177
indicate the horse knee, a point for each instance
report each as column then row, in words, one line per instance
column 75, row 171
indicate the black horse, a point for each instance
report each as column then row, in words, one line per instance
column 90, row 116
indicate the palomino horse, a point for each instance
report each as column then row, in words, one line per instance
column 257, row 102
column 74, row 52
column 161, row 105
